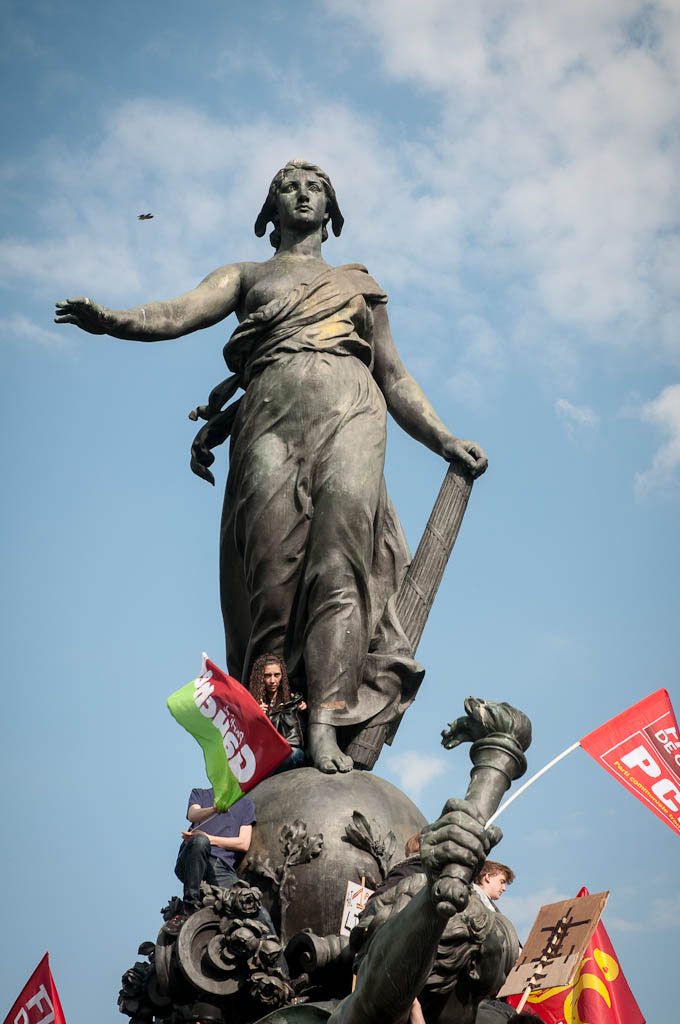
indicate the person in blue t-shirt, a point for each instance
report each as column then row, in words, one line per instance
column 209, row 850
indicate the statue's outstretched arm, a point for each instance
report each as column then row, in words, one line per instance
column 401, row 955
column 411, row 408
column 211, row 301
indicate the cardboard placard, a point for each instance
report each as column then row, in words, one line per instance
column 580, row 915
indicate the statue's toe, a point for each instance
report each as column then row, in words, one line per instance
column 336, row 762
column 325, row 752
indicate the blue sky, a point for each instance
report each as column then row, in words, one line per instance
column 508, row 173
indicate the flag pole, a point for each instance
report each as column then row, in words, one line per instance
column 531, row 781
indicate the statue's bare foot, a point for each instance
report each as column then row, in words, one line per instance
column 324, row 751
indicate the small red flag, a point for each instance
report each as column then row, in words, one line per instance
column 599, row 994
column 641, row 748
column 38, row 1002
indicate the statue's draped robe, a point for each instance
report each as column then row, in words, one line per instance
column 312, row 552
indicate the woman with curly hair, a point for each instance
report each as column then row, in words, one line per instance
column 270, row 688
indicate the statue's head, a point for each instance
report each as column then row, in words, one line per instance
column 269, row 212
column 476, row 953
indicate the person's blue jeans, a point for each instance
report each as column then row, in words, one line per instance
column 295, row 759
column 195, row 864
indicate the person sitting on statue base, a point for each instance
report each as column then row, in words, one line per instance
column 209, row 851
column 269, row 686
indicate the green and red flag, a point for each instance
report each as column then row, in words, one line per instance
column 38, row 1002
column 240, row 745
column 641, row 748
column 599, row 994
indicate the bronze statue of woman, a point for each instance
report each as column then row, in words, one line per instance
column 311, row 551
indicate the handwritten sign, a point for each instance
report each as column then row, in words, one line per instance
column 356, row 898
column 580, row 915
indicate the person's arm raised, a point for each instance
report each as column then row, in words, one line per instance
column 197, row 814
column 211, row 301
column 410, row 407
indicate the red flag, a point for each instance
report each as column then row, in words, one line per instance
column 641, row 748
column 240, row 745
column 599, row 994
column 38, row 1002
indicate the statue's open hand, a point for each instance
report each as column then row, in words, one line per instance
column 86, row 314
column 470, row 454
column 452, row 850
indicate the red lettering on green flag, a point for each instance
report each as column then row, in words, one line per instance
column 240, row 745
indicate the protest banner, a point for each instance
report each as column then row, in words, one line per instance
column 240, row 745
column 556, row 945
column 641, row 748
column 38, row 1001
column 599, row 993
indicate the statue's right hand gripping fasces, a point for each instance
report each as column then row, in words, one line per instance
column 499, row 734
column 452, row 850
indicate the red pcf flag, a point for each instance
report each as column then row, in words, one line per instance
column 38, row 1002
column 641, row 748
column 599, row 994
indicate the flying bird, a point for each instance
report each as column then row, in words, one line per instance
column 144, row 216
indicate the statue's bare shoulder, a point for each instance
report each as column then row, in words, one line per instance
column 273, row 279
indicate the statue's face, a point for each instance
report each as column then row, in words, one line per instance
column 301, row 200
column 272, row 679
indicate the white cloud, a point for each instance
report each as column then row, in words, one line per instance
column 663, row 412
column 576, row 417
column 556, row 137
column 415, row 770
column 665, row 912
column 522, row 910
column 480, row 363
column 662, row 913
column 205, row 181
column 22, row 328
column 466, row 388
column 484, row 347
column 622, row 924
column 538, row 205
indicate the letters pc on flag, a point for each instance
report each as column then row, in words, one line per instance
column 641, row 748
column 240, row 745
column 598, row 995
column 38, row 1002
